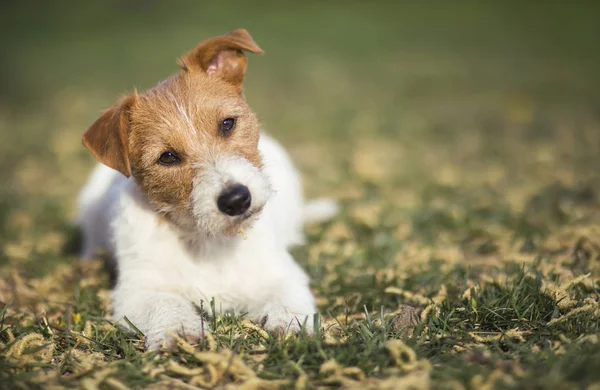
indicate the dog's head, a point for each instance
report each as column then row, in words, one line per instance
column 191, row 142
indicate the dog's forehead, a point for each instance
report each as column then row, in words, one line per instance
column 190, row 98
column 197, row 88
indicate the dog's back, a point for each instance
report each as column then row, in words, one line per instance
column 96, row 202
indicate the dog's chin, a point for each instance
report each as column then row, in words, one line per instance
column 219, row 225
column 239, row 224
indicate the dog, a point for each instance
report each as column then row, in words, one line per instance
column 196, row 204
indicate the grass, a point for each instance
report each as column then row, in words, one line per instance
column 462, row 143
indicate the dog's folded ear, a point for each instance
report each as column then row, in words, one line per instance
column 108, row 137
column 222, row 56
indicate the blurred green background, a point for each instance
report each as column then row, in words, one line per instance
column 462, row 139
column 436, row 77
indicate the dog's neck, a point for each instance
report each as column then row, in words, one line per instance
column 200, row 245
column 205, row 247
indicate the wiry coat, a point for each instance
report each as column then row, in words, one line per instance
column 174, row 248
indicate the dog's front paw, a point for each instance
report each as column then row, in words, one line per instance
column 282, row 320
column 163, row 338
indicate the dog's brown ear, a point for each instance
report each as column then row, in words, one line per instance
column 108, row 137
column 223, row 56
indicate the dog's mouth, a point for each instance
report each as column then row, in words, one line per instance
column 248, row 215
column 239, row 223
column 247, row 219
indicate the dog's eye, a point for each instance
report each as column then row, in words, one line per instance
column 226, row 126
column 168, row 158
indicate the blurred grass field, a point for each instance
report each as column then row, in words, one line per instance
column 462, row 140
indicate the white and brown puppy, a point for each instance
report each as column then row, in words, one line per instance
column 185, row 172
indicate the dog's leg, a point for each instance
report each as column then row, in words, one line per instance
column 159, row 315
column 291, row 306
column 279, row 317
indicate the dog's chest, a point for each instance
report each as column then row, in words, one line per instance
column 236, row 279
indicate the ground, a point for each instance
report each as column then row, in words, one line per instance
column 461, row 141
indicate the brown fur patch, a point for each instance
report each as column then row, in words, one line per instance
column 107, row 138
column 182, row 115
column 223, row 56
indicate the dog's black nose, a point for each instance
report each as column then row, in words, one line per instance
column 235, row 201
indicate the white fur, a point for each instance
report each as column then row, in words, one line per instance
column 164, row 273
column 210, row 181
